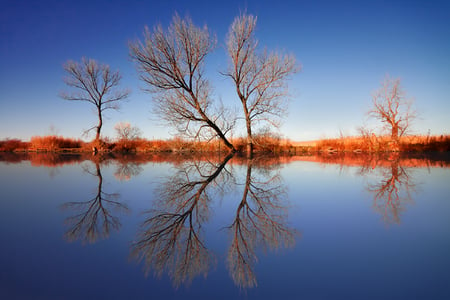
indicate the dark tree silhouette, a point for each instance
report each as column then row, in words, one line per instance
column 95, row 83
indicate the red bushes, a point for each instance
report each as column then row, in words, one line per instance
column 52, row 143
column 9, row 145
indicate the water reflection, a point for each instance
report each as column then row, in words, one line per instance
column 95, row 218
column 127, row 169
column 171, row 239
column 260, row 221
column 392, row 191
column 389, row 179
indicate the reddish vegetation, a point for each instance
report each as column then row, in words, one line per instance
column 267, row 143
column 53, row 143
column 373, row 144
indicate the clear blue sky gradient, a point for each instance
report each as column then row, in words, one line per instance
column 345, row 49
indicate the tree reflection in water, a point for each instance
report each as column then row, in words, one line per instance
column 95, row 219
column 126, row 169
column 392, row 191
column 260, row 221
column 389, row 178
column 171, row 239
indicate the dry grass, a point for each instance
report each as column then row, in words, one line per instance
column 416, row 143
column 262, row 144
column 54, row 143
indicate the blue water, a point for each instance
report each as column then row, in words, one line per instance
column 305, row 230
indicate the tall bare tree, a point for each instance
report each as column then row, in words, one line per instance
column 171, row 63
column 260, row 77
column 392, row 108
column 94, row 83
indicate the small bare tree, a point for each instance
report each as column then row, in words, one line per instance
column 127, row 132
column 171, row 63
column 94, row 83
column 392, row 108
column 260, row 77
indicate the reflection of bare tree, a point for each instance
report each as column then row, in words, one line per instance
column 127, row 169
column 260, row 220
column 95, row 219
column 170, row 240
column 393, row 192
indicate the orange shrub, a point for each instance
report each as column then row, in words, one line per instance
column 9, row 145
column 52, row 142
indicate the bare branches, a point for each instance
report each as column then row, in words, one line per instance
column 171, row 63
column 260, row 78
column 391, row 107
column 94, row 83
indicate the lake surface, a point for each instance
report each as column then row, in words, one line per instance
column 175, row 227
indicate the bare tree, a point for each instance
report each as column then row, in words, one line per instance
column 94, row 83
column 171, row 63
column 391, row 107
column 127, row 132
column 260, row 77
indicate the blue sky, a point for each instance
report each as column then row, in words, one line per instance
column 345, row 49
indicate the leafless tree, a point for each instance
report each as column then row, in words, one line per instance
column 127, row 169
column 260, row 221
column 260, row 77
column 171, row 62
column 170, row 239
column 127, row 132
column 95, row 83
column 392, row 108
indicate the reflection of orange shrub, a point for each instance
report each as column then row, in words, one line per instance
column 53, row 142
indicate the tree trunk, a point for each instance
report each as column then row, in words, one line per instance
column 99, row 126
column 394, row 132
column 248, row 123
column 249, row 140
column 219, row 132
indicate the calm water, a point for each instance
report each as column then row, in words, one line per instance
column 161, row 227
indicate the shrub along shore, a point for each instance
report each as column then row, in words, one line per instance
column 263, row 144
